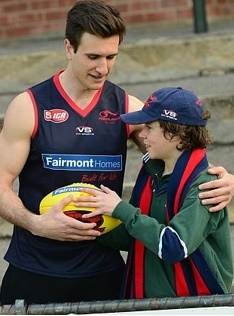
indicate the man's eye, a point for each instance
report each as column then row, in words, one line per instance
column 92, row 57
column 111, row 57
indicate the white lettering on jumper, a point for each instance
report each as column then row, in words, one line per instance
column 82, row 162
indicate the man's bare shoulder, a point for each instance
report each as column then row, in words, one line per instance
column 135, row 104
column 20, row 113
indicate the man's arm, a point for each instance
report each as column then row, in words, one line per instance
column 134, row 130
column 15, row 139
column 218, row 192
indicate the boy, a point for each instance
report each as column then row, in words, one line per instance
column 176, row 246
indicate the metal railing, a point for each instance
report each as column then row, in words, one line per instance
column 21, row 308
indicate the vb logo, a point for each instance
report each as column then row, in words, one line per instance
column 170, row 113
column 84, row 129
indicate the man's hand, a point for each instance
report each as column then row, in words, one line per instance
column 54, row 224
column 220, row 192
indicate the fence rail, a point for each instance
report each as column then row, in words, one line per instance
column 21, row 308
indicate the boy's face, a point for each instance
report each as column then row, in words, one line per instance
column 156, row 144
column 93, row 61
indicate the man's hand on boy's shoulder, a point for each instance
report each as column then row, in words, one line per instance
column 217, row 192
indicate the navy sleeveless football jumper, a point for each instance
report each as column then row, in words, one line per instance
column 70, row 145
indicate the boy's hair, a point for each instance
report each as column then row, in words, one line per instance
column 95, row 17
column 191, row 136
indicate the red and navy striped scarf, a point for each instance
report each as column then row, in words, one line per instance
column 192, row 275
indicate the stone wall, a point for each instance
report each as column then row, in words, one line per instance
column 36, row 18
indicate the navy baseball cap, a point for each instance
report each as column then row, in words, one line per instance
column 170, row 104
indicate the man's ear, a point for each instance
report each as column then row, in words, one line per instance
column 68, row 49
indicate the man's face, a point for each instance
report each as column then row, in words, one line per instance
column 94, row 59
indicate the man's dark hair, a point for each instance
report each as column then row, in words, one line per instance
column 95, row 17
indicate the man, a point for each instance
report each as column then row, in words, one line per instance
column 66, row 129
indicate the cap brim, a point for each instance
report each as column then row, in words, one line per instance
column 138, row 117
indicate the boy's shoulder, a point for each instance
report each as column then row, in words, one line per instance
column 204, row 176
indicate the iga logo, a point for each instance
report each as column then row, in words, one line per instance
column 56, row 115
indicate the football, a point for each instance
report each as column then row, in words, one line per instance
column 104, row 223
